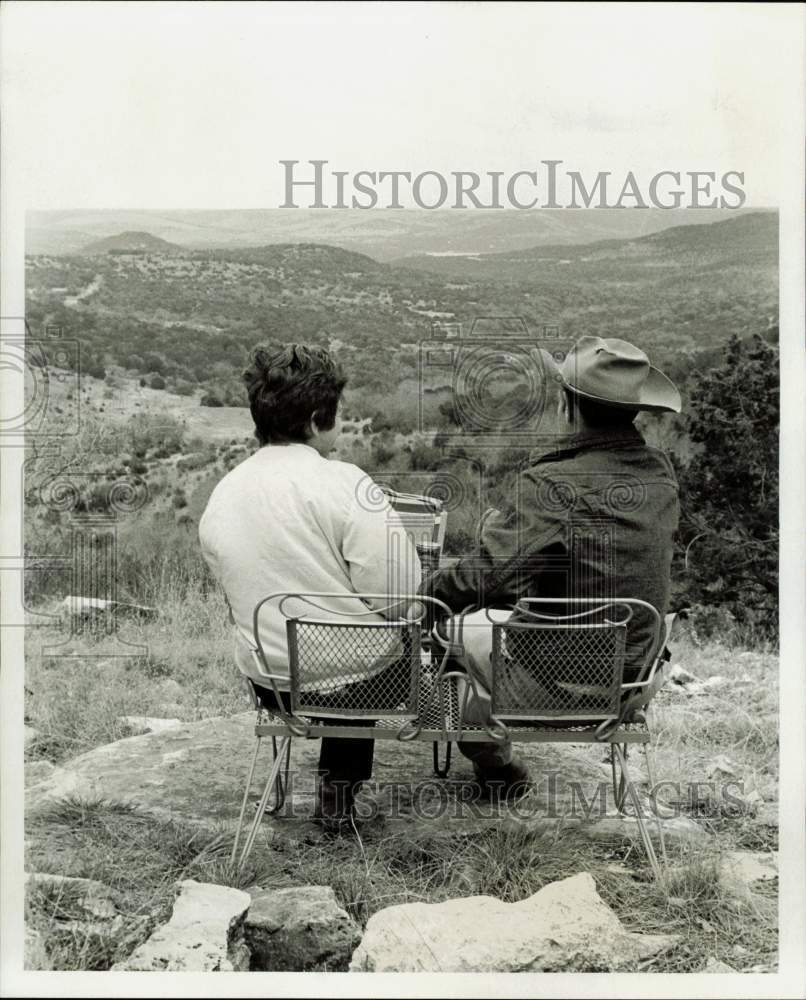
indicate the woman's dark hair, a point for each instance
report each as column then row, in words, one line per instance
column 287, row 386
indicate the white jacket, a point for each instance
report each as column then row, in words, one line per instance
column 287, row 519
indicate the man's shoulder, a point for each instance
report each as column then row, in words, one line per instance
column 601, row 457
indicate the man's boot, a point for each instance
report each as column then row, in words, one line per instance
column 499, row 773
column 334, row 806
column 506, row 783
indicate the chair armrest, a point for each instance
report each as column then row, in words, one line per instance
column 656, row 666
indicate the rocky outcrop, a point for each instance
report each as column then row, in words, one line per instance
column 677, row 829
column 204, row 934
column 565, row 926
column 718, row 968
column 78, row 909
column 139, row 724
column 300, row 928
column 38, row 770
column 159, row 772
column 741, row 870
column 86, row 897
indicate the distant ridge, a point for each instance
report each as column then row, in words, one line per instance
column 749, row 236
column 384, row 234
column 132, row 242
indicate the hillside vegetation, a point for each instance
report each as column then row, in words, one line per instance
column 169, row 334
column 191, row 316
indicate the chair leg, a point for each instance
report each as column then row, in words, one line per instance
column 619, row 782
column 442, row 772
column 650, row 772
column 649, row 847
column 281, row 785
column 264, row 799
column 245, row 798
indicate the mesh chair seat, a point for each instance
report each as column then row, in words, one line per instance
column 366, row 669
column 554, row 671
column 548, row 665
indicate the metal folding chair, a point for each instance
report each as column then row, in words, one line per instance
column 558, row 678
column 343, row 668
column 567, row 669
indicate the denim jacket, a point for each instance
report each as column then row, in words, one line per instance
column 593, row 518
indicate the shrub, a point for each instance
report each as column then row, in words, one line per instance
column 729, row 491
column 196, row 461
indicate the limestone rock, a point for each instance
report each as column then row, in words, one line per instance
column 715, row 966
column 299, row 928
column 83, row 896
column 86, row 607
column 679, row 676
column 565, row 926
column 38, row 770
column 106, row 940
column 140, row 724
column 767, row 815
column 145, row 771
column 739, row 870
column 148, row 772
column 204, row 934
column 722, row 767
column 703, row 687
column 29, row 735
column 677, row 829
column 51, row 785
column 82, row 909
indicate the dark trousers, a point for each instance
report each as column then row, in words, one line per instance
column 346, row 761
column 340, row 759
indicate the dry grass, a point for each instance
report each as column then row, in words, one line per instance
column 188, row 672
column 141, row 858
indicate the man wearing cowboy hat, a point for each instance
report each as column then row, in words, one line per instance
column 600, row 472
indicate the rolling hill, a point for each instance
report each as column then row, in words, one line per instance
column 744, row 239
column 131, row 242
column 382, row 233
column 190, row 316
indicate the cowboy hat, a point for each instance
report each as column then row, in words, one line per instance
column 614, row 373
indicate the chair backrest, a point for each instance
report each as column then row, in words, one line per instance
column 349, row 667
column 563, row 659
column 365, row 670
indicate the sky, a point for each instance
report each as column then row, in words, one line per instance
column 175, row 105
